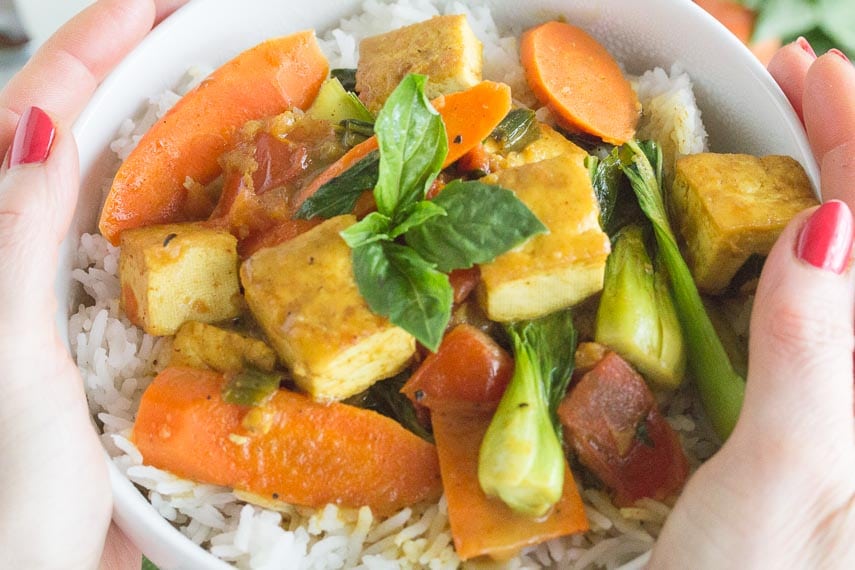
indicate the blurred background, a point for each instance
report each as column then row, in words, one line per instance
column 762, row 24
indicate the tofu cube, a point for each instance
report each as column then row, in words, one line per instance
column 304, row 296
column 444, row 48
column 174, row 273
column 727, row 207
column 204, row 346
column 554, row 270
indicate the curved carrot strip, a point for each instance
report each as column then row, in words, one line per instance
column 579, row 81
column 311, row 454
column 268, row 79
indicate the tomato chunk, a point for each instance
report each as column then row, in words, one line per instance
column 611, row 420
column 468, row 373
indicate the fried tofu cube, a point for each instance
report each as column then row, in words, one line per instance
column 444, row 48
column 204, row 346
column 174, row 273
column 554, row 270
column 727, row 207
column 304, row 296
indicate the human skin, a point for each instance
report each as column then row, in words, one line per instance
column 779, row 494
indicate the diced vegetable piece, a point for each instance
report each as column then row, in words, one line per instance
column 554, row 270
column 612, row 422
column 517, row 130
column 464, row 281
column 335, row 105
column 636, row 316
column 721, row 389
column 310, row 454
column 730, row 206
column 346, row 76
column 580, row 82
column 444, row 48
column 469, row 373
column 304, row 296
column 250, row 386
column 483, row 526
column 270, row 161
column 356, row 155
column 174, row 273
column 521, row 460
column 270, row 78
column 205, row 346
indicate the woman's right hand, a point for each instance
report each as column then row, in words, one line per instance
column 781, row 492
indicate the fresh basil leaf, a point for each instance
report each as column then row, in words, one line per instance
column 413, row 146
column 416, row 215
column 401, row 286
column 339, row 195
column 373, row 227
column 482, row 222
column 147, row 564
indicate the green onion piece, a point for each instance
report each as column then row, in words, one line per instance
column 250, row 387
column 347, row 78
column 517, row 130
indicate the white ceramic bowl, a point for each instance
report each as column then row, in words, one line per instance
column 743, row 110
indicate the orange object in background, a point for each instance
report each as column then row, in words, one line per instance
column 740, row 21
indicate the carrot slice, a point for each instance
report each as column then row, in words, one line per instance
column 268, row 79
column 310, row 454
column 462, row 384
column 469, row 116
column 579, row 81
column 482, row 525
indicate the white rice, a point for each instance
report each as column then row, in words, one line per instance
column 118, row 361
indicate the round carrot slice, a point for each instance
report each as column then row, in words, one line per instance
column 579, row 81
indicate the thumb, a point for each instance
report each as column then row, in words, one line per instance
column 800, row 369
column 38, row 191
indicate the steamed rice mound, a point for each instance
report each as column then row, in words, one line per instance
column 118, row 361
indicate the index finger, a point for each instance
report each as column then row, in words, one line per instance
column 63, row 74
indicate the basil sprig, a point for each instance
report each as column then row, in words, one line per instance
column 468, row 223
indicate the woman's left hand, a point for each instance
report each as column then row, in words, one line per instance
column 54, row 487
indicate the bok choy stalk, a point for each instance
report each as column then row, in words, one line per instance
column 720, row 387
column 521, row 459
column 636, row 316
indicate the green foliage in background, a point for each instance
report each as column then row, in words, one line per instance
column 825, row 23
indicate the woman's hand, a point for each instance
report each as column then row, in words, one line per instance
column 781, row 492
column 54, row 489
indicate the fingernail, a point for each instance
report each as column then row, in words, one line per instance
column 840, row 54
column 33, row 138
column 826, row 238
column 805, row 45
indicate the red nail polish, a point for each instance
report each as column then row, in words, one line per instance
column 840, row 54
column 33, row 138
column 826, row 238
column 805, row 45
